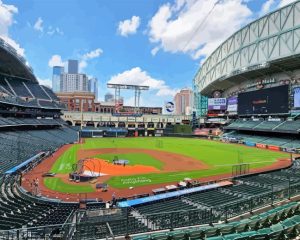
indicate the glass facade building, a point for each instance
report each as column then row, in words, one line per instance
column 93, row 87
column 56, row 78
column 72, row 66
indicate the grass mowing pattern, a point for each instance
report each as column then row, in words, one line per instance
column 219, row 156
column 134, row 159
column 65, row 162
column 58, row 185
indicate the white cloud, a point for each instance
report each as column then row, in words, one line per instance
column 88, row 56
column 38, row 26
column 6, row 20
column 285, row 2
column 93, row 54
column 46, row 82
column 136, row 76
column 51, row 31
column 183, row 27
column 129, row 26
column 266, row 7
column 6, row 17
column 56, row 60
column 154, row 51
column 14, row 44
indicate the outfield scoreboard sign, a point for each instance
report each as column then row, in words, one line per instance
column 170, row 107
column 217, row 104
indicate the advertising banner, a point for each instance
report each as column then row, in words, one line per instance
column 122, row 119
column 260, row 145
column 139, row 119
column 133, row 202
column 251, row 144
column 217, row 104
column 155, row 119
column 178, row 120
column 290, row 150
column 271, row 147
column 232, row 104
column 297, row 97
column 131, row 119
column 105, row 119
column 170, row 107
column 114, row 119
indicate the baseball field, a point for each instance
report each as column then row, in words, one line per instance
column 152, row 161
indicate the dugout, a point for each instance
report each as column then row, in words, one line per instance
column 131, row 130
column 141, row 130
column 90, row 133
column 116, row 132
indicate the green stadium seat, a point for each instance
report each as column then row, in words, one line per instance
column 212, row 232
column 264, row 231
column 178, row 235
column 296, row 219
column 231, row 236
column 215, row 238
column 159, row 236
column 195, row 234
column 249, row 234
column 287, row 223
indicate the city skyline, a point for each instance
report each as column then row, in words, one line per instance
column 126, row 42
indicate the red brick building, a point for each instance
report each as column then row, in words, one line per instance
column 77, row 100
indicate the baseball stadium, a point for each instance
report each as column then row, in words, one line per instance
column 229, row 171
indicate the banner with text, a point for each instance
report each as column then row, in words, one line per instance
column 217, row 104
column 232, row 104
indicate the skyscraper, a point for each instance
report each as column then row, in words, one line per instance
column 74, row 82
column 109, row 97
column 73, row 66
column 93, row 87
column 56, row 76
column 183, row 102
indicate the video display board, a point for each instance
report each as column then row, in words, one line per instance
column 217, row 104
column 297, row 97
column 265, row 101
column 232, row 104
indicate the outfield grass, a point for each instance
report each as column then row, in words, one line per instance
column 219, row 156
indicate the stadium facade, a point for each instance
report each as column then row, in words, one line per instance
column 263, row 54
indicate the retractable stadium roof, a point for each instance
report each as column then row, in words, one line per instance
column 11, row 63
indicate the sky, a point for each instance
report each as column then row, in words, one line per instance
column 159, row 43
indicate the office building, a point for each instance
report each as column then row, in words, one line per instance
column 72, row 66
column 109, row 97
column 56, row 78
column 74, row 82
column 183, row 102
column 93, row 86
column 78, row 101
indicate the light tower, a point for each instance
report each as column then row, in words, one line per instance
column 137, row 93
